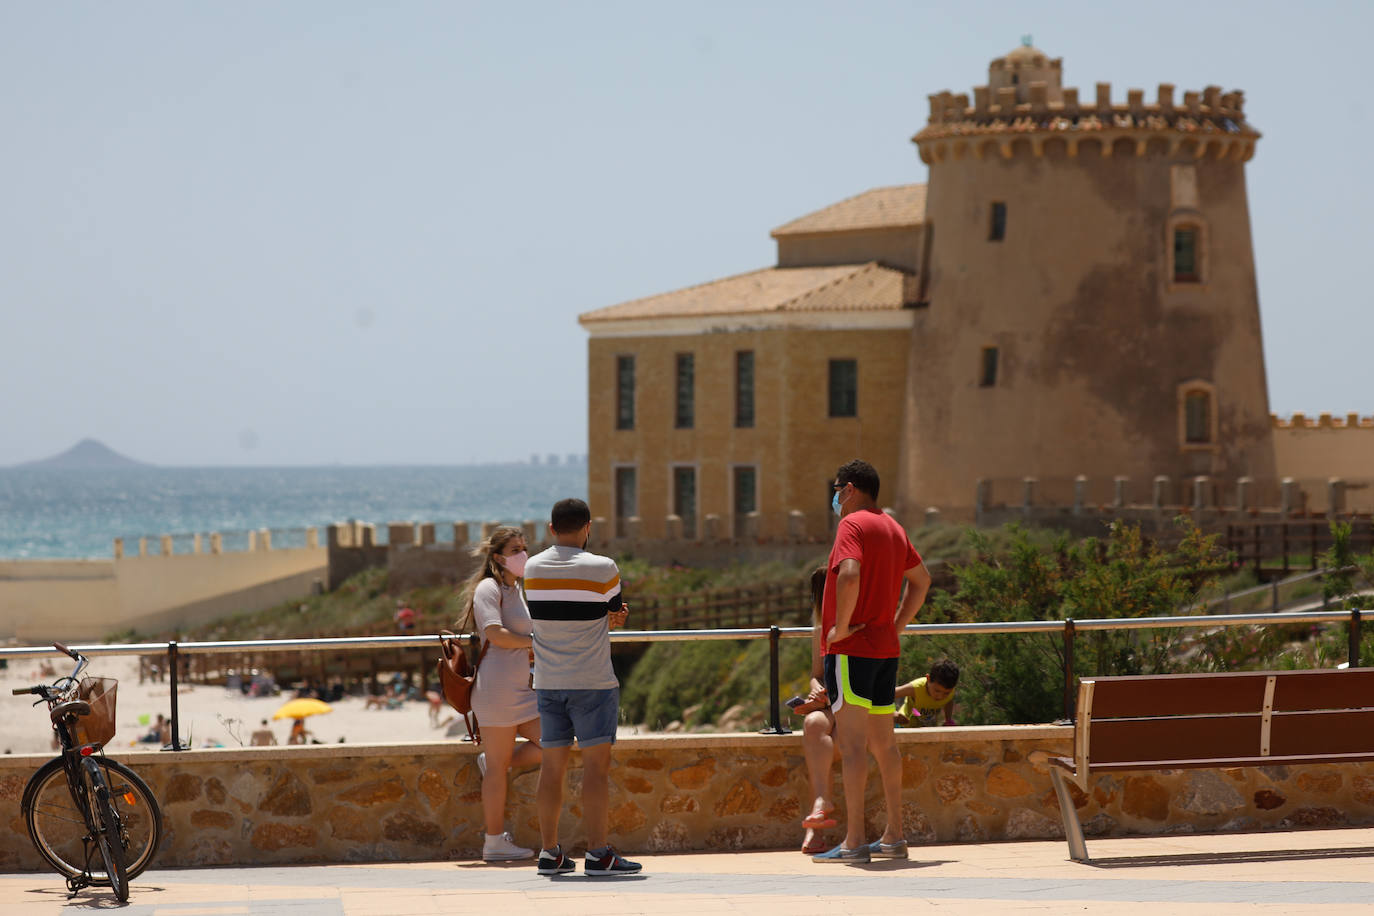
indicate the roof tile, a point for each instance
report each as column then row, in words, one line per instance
column 880, row 208
column 847, row 287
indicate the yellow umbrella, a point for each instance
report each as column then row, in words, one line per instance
column 302, row 707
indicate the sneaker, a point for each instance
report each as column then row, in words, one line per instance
column 502, row 848
column 553, row 862
column 880, row 850
column 840, row 854
column 482, row 764
column 606, row 861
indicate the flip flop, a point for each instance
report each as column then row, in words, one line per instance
column 815, row 847
column 819, row 821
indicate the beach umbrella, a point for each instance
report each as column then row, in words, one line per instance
column 302, row 707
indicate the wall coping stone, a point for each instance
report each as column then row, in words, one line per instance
column 703, row 740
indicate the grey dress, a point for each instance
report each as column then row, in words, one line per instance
column 501, row 695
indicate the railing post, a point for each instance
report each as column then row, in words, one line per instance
column 1273, row 594
column 1354, row 638
column 1069, row 699
column 173, row 663
column 774, row 713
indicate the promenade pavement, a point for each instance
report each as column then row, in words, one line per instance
column 1308, row 872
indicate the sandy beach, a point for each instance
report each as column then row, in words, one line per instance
column 209, row 716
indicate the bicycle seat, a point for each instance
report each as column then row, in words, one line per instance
column 70, row 708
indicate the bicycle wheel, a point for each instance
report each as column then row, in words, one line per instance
column 59, row 831
column 107, row 829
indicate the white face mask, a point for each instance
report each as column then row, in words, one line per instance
column 515, row 563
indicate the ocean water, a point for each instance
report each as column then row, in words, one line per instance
column 49, row 512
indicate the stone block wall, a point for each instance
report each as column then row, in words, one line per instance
column 413, row 802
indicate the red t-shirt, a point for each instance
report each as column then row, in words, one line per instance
column 884, row 555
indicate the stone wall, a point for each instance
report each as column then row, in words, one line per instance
column 401, row 802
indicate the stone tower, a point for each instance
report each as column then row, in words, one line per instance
column 1090, row 300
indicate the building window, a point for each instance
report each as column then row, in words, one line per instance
column 684, row 415
column 744, row 389
column 1186, row 264
column 626, row 502
column 1197, row 418
column 997, row 225
column 844, row 388
column 685, row 499
column 746, row 495
column 988, row 375
column 625, row 392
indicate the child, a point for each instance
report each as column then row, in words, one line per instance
column 927, row 694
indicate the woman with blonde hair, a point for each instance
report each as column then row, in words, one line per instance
column 502, row 697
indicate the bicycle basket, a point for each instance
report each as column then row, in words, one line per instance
column 99, row 726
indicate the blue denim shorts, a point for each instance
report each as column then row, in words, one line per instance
column 590, row 715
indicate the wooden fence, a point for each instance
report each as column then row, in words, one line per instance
column 1276, row 549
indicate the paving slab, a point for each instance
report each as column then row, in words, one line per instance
column 1308, row 872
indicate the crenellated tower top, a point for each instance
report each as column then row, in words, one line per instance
column 1024, row 101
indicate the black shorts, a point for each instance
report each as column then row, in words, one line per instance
column 870, row 683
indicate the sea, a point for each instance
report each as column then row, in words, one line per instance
column 77, row 512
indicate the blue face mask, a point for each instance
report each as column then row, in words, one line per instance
column 835, row 503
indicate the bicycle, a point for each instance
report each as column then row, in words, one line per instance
column 82, row 804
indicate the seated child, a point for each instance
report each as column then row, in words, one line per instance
column 927, row 694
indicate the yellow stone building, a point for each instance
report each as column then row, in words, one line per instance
column 743, row 395
column 1072, row 293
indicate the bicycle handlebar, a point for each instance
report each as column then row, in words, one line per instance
column 20, row 691
column 75, row 656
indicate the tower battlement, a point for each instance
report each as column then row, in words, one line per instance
column 1024, row 101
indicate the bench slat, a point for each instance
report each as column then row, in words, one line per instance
column 1230, row 692
column 1325, row 732
column 1324, row 689
column 1176, row 694
column 1126, row 766
column 1115, row 740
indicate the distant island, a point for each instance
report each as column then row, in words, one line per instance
column 88, row 453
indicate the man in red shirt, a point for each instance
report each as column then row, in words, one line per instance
column 862, row 613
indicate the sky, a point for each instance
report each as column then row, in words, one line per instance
column 337, row 232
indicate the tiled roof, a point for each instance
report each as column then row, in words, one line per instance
column 848, row 287
column 880, row 208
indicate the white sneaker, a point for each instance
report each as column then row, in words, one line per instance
column 501, row 848
column 482, row 764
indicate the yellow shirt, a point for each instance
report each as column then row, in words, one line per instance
column 922, row 700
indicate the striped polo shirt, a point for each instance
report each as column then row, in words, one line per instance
column 570, row 592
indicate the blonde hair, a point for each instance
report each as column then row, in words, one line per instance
column 490, row 568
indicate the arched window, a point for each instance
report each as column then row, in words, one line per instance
column 1186, row 241
column 1197, row 415
column 1187, row 253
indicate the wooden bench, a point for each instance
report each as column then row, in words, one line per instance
column 1236, row 719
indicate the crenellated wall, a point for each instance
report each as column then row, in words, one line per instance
column 399, row 802
column 1315, row 448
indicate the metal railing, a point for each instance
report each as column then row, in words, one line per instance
column 1068, row 629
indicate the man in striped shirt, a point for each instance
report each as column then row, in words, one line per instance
column 574, row 600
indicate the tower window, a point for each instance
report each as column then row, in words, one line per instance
column 1197, row 418
column 744, row 389
column 1186, row 264
column 997, row 225
column 685, row 414
column 625, row 392
column 988, row 376
column 844, row 388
